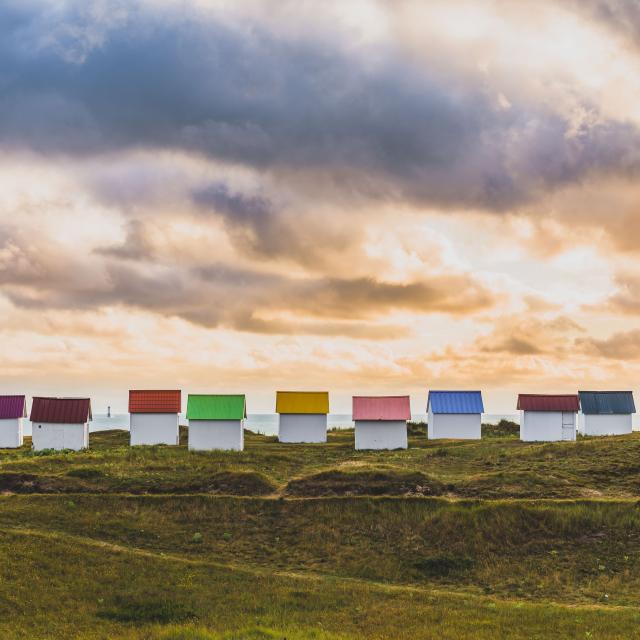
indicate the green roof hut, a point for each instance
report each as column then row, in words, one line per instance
column 216, row 422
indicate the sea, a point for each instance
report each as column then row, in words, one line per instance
column 264, row 423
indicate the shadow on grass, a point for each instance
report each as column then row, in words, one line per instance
column 372, row 483
column 134, row 609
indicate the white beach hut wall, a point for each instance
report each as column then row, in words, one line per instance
column 13, row 410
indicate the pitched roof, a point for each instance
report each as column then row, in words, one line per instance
column 145, row 401
column 455, row 402
column 12, row 407
column 381, row 408
column 61, row 410
column 607, row 402
column 540, row 402
column 216, row 407
column 302, row 402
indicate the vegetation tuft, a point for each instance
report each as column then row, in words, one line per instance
column 417, row 429
column 504, row 429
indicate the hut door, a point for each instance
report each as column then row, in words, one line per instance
column 57, row 437
column 568, row 426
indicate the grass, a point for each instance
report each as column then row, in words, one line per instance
column 493, row 468
column 572, row 552
column 448, row 539
column 69, row 598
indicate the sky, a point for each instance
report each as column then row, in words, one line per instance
column 366, row 197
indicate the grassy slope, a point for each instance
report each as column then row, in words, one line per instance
column 302, row 549
column 572, row 552
column 73, row 581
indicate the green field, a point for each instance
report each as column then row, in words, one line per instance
column 491, row 539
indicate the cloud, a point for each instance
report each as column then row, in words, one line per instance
column 42, row 276
column 454, row 294
column 238, row 206
column 623, row 345
column 538, row 304
column 137, row 245
column 621, row 16
column 168, row 237
column 365, row 122
column 530, row 336
column 626, row 298
column 259, row 227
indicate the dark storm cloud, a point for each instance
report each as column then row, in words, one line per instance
column 76, row 83
column 253, row 221
column 259, row 227
column 236, row 205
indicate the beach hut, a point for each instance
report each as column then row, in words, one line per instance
column 605, row 413
column 216, row 422
column 13, row 409
column 454, row 414
column 154, row 417
column 381, row 421
column 547, row 418
column 302, row 415
column 60, row 423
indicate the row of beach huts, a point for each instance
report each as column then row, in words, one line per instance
column 217, row 421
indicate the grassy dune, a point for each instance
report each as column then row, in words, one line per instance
column 446, row 540
column 494, row 468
